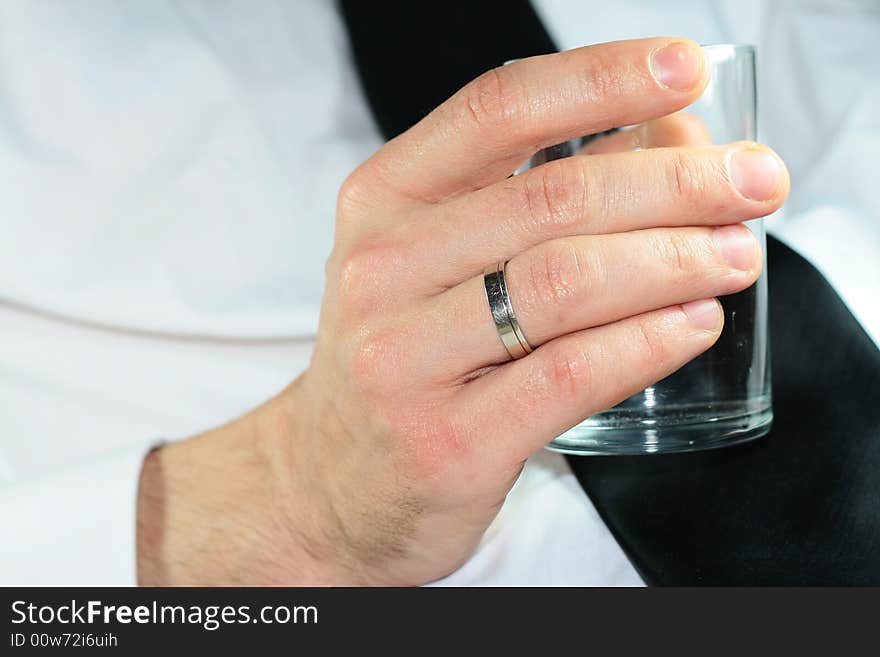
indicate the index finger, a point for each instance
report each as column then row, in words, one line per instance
column 489, row 127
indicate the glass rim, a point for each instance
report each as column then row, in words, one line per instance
column 748, row 47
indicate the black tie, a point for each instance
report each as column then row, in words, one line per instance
column 800, row 506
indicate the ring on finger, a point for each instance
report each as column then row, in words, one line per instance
column 509, row 330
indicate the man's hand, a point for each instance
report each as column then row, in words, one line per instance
column 387, row 459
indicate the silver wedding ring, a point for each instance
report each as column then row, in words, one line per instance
column 502, row 311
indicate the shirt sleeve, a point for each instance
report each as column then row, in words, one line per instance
column 75, row 528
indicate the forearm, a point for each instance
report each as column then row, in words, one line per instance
column 211, row 510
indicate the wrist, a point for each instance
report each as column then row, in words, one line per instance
column 220, row 508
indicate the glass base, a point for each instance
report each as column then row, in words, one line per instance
column 621, row 431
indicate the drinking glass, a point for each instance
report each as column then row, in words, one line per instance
column 723, row 396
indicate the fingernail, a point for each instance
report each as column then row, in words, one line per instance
column 756, row 173
column 704, row 314
column 738, row 246
column 678, row 66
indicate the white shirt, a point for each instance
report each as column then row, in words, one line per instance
column 168, row 173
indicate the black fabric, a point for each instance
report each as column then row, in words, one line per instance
column 411, row 56
column 800, row 506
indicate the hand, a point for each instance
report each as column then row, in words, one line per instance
column 387, row 459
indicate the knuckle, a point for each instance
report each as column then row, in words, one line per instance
column 352, row 196
column 375, row 360
column 555, row 275
column 555, row 197
column 491, row 100
column 360, row 275
column 604, row 78
column 652, row 343
column 354, row 276
column 568, row 372
column 681, row 255
column 685, row 180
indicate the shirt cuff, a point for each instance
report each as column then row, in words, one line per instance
column 76, row 528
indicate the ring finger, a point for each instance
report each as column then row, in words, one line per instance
column 570, row 284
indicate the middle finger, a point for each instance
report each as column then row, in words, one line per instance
column 596, row 194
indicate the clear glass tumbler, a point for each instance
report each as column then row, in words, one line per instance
column 723, row 396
